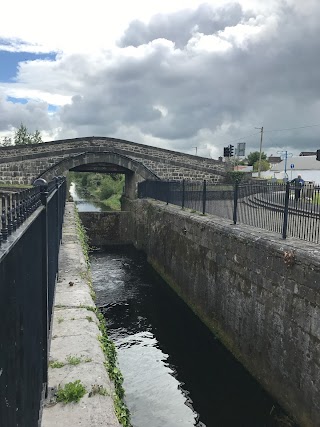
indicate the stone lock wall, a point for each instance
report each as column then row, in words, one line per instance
column 107, row 228
column 258, row 293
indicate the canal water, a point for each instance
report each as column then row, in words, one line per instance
column 176, row 373
column 83, row 204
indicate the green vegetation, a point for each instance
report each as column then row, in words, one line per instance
column 115, row 375
column 98, row 389
column 265, row 166
column 107, row 345
column 71, row 392
column 3, row 184
column 102, row 188
column 21, row 137
column 56, row 364
column 73, row 360
column 234, row 176
column 254, row 156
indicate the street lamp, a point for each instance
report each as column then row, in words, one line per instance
column 260, row 152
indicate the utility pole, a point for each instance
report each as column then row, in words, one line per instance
column 196, row 149
column 260, row 152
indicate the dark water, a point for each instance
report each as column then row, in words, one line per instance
column 176, row 374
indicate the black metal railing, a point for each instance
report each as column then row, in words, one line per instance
column 279, row 207
column 31, row 230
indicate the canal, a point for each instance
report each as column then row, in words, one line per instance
column 176, row 373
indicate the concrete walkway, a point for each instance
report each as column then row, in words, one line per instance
column 75, row 343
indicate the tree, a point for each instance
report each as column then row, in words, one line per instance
column 36, row 137
column 23, row 137
column 254, row 157
column 6, row 141
column 265, row 166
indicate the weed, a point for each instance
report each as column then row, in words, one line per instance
column 98, row 389
column 71, row 392
column 115, row 375
column 56, row 364
column 89, row 318
column 73, row 360
column 89, row 308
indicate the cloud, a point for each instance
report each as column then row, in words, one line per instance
column 179, row 27
column 200, row 77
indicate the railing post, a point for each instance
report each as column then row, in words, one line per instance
column 286, row 211
column 45, row 320
column 183, row 194
column 9, row 215
column 235, row 201
column 204, row 197
column 4, row 228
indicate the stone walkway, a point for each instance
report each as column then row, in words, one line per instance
column 75, row 343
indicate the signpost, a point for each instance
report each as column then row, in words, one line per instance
column 291, row 167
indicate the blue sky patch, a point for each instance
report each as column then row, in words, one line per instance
column 52, row 108
column 9, row 62
column 16, row 100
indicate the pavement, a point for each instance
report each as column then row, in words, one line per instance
column 75, row 343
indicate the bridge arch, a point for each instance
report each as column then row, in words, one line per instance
column 103, row 162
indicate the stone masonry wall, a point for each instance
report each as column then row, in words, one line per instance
column 266, row 311
column 24, row 163
column 107, row 228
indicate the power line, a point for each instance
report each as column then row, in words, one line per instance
column 243, row 137
column 300, row 127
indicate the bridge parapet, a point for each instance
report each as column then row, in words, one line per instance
column 22, row 164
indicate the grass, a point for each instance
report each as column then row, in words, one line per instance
column 56, row 364
column 113, row 202
column 71, row 392
column 115, row 375
column 98, row 389
column 4, row 185
column 73, row 360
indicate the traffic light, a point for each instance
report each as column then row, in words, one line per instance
column 226, row 152
column 231, row 152
column 318, row 155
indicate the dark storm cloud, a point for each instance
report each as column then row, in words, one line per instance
column 179, row 27
column 272, row 80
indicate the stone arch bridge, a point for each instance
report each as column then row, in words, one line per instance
column 23, row 164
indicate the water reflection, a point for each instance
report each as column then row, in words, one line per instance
column 85, row 205
column 176, row 374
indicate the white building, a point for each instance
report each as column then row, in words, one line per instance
column 306, row 166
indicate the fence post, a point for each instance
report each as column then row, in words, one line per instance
column 168, row 191
column 45, row 291
column 204, row 197
column 4, row 228
column 286, row 211
column 235, row 201
column 183, row 194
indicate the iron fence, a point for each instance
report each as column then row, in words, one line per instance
column 279, row 207
column 31, row 229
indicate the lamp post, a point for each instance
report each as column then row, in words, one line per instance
column 260, row 152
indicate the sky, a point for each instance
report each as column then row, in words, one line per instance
column 189, row 75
